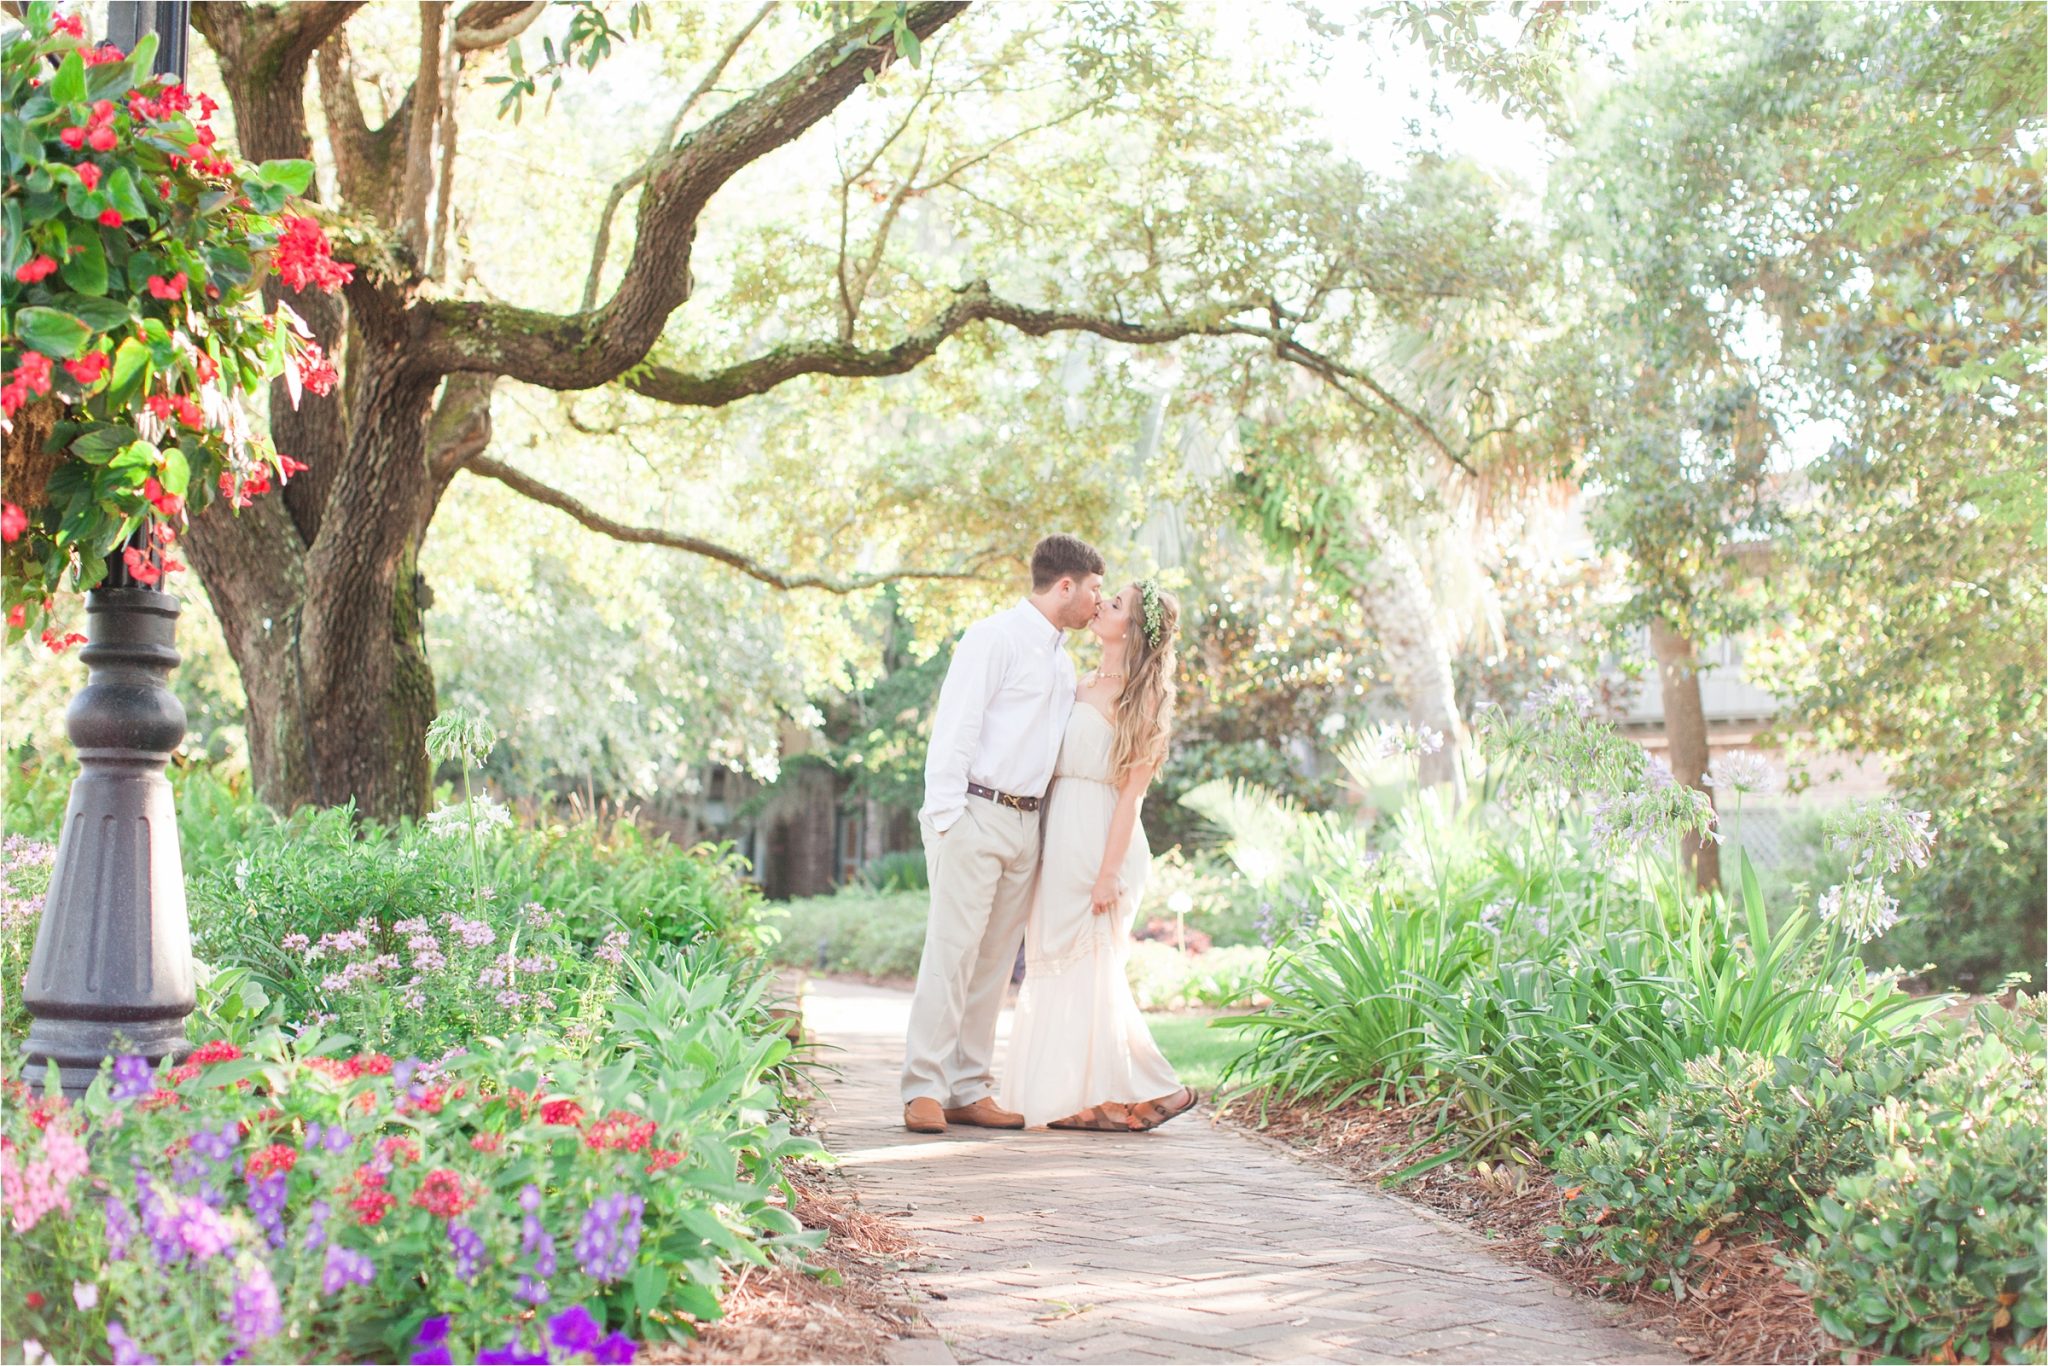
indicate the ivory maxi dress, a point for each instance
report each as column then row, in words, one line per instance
column 1077, row 1038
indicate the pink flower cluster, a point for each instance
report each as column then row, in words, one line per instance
column 41, row 1184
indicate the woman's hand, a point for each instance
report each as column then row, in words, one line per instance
column 1107, row 892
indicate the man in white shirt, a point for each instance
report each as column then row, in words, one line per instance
column 1002, row 712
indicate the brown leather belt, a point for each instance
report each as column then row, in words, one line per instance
column 1003, row 798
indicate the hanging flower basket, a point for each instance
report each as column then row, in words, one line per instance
column 134, row 326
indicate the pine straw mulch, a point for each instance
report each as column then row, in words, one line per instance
column 1738, row 1307
column 787, row 1312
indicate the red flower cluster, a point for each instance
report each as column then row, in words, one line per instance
column 278, row 1157
column 619, row 1131
column 217, row 1050
column 442, row 1194
column 98, row 132
column 31, row 376
column 173, row 288
column 398, row 1149
column 316, row 371
column 13, row 521
column 88, row 369
column 36, row 268
column 180, row 406
column 430, row 1101
column 487, row 1142
column 348, row 1069
column 367, row 1196
column 305, row 257
column 663, row 1159
column 241, row 493
column 562, row 1112
column 103, row 55
column 167, row 504
column 173, row 100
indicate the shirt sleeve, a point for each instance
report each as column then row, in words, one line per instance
column 972, row 680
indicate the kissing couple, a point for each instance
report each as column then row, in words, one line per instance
column 1031, row 833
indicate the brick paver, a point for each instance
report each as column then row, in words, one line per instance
column 1194, row 1243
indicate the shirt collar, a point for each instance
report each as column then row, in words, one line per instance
column 1040, row 630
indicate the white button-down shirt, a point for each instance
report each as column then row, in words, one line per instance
column 1002, row 712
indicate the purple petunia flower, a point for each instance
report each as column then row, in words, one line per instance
column 217, row 1147
column 120, row 1228
column 201, row 1231
column 254, row 1310
column 511, row 1354
column 531, row 1290
column 437, row 1355
column 134, row 1078
column 127, row 1351
column 468, row 1246
column 610, row 1237
column 266, row 1205
column 574, row 1331
column 345, row 1267
column 316, row 1224
column 432, row 1330
column 616, row 1350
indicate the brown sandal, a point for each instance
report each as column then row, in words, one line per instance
column 1146, row 1123
column 1095, row 1120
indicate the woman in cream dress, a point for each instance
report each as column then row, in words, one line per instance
column 1080, row 1055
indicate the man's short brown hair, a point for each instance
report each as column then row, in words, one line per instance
column 1060, row 556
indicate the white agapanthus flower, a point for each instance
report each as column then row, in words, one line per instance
column 1860, row 908
column 1743, row 770
column 453, row 819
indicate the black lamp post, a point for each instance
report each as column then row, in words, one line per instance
column 112, row 967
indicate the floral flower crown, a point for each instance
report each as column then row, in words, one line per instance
column 1153, row 619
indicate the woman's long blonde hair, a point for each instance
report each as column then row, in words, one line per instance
column 1143, row 719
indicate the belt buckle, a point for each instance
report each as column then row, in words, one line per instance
column 1007, row 800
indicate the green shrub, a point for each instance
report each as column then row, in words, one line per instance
column 1936, row 1250
column 868, row 933
column 1741, row 1139
column 1164, row 978
column 1548, row 1047
column 1346, row 1007
column 902, row 871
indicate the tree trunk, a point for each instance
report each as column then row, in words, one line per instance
column 329, row 635
column 1685, row 735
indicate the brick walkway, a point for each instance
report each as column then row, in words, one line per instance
column 1194, row 1243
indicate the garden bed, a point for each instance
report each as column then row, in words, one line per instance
column 842, row 1303
column 1742, row 1308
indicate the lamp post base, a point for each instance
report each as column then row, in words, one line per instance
column 112, row 967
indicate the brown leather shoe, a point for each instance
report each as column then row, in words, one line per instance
column 985, row 1114
column 923, row 1116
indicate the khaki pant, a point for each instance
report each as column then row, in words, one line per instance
column 982, row 870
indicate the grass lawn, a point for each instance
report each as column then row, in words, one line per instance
column 1198, row 1052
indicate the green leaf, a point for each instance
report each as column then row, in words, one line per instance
column 135, row 454
column 121, row 190
column 176, row 477
column 101, row 442
column 68, row 86
column 51, row 331
column 101, row 315
column 131, row 370
column 85, row 269
column 290, row 175
column 142, row 58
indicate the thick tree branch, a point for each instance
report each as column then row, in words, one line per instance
column 419, row 143
column 639, row 175
column 460, row 429
column 976, row 303
column 589, row 348
column 695, row 545
column 482, row 26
